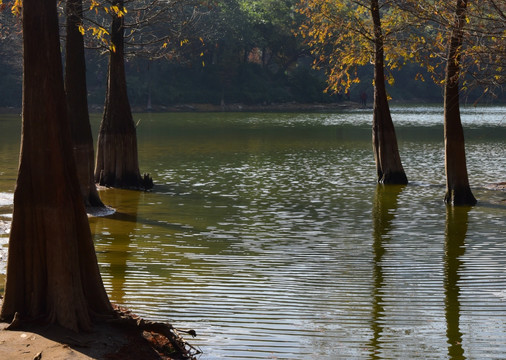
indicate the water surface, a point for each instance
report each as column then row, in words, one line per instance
column 267, row 234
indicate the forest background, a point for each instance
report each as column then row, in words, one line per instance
column 237, row 52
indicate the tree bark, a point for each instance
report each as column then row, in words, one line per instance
column 117, row 162
column 77, row 104
column 52, row 270
column 458, row 191
column 386, row 153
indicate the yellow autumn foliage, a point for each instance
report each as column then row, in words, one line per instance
column 340, row 35
column 16, row 7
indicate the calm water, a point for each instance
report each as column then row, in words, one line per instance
column 267, row 234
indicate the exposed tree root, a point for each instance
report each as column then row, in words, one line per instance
column 160, row 335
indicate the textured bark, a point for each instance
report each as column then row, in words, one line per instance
column 458, row 191
column 386, row 153
column 77, row 104
column 52, row 270
column 117, row 162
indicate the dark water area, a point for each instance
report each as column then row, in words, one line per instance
column 267, row 234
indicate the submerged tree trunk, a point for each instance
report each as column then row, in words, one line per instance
column 386, row 153
column 458, row 191
column 77, row 104
column 52, row 270
column 117, row 162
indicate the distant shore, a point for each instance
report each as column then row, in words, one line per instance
column 239, row 107
column 281, row 107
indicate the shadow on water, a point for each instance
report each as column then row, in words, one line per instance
column 455, row 235
column 136, row 220
column 120, row 238
column 126, row 205
column 383, row 213
column 118, row 234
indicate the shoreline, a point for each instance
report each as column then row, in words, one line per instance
column 239, row 107
column 123, row 337
column 281, row 107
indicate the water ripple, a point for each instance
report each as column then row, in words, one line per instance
column 268, row 235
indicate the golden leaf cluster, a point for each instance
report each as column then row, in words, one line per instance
column 17, row 7
column 113, row 9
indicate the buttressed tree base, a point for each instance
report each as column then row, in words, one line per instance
column 52, row 270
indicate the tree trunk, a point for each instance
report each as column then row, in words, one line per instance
column 458, row 191
column 386, row 153
column 77, row 104
column 117, row 162
column 52, row 270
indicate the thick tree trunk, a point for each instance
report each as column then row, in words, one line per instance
column 458, row 191
column 52, row 270
column 386, row 153
column 77, row 104
column 117, row 162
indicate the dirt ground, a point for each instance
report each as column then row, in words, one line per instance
column 108, row 342
column 105, row 342
column 117, row 340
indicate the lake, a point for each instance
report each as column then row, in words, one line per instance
column 267, row 234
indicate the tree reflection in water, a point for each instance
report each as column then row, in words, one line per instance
column 383, row 213
column 119, row 238
column 455, row 235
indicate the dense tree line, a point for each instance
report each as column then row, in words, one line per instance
column 249, row 53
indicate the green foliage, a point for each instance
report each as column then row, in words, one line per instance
column 246, row 51
column 171, row 84
column 10, row 58
column 306, row 83
column 10, row 87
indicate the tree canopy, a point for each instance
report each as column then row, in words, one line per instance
column 483, row 50
column 341, row 37
column 252, row 51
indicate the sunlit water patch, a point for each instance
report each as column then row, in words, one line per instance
column 471, row 116
column 6, row 201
